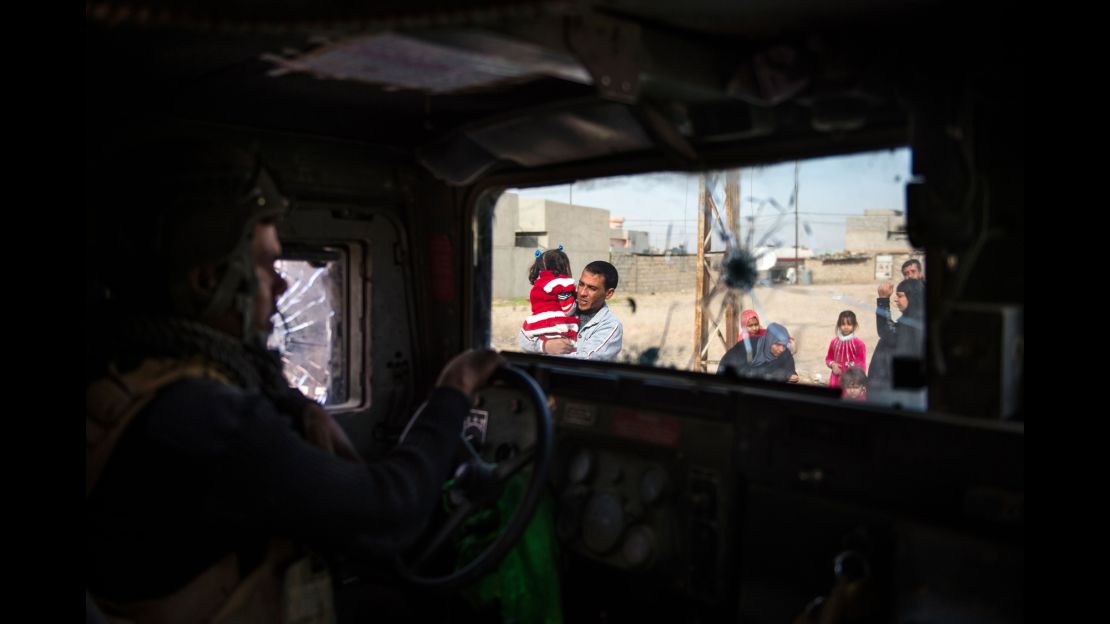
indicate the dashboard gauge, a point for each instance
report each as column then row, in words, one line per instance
column 611, row 471
column 602, row 522
column 581, row 465
column 639, row 546
column 653, row 484
column 569, row 522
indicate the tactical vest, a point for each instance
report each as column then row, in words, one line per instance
column 287, row 586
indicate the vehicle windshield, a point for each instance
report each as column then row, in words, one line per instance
column 705, row 261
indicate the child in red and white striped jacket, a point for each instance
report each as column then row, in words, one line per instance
column 552, row 297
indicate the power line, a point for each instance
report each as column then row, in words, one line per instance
column 763, row 216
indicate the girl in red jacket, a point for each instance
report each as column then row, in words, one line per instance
column 552, row 297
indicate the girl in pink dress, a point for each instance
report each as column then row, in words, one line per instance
column 846, row 350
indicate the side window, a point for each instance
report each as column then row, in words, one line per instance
column 331, row 329
column 311, row 323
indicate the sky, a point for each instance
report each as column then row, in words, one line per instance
column 829, row 190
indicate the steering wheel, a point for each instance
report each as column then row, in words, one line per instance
column 479, row 483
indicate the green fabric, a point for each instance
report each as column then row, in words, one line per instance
column 526, row 583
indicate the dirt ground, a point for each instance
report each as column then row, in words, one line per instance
column 808, row 312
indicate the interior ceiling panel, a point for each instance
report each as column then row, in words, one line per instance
column 515, row 85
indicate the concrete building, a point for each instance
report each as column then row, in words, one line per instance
column 877, row 231
column 787, row 265
column 627, row 241
column 521, row 225
column 875, row 246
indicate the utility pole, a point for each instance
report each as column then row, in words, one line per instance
column 797, row 259
column 701, row 279
column 732, row 299
column 707, row 215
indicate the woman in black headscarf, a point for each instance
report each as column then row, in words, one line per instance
column 772, row 359
column 904, row 338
